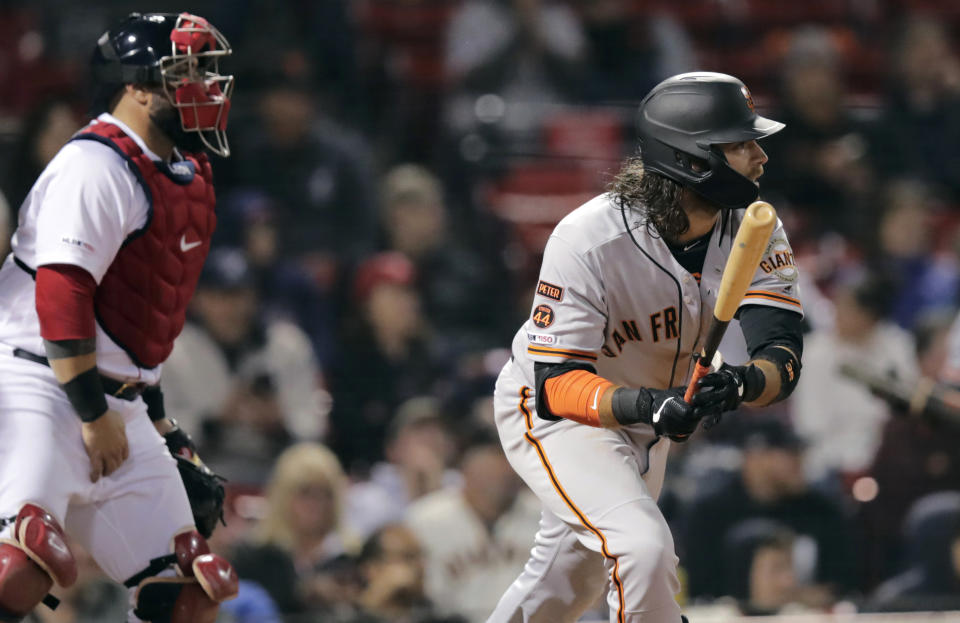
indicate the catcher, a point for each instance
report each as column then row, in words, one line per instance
column 109, row 246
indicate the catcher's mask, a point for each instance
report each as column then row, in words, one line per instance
column 181, row 54
column 681, row 122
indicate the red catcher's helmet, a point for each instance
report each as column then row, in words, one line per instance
column 180, row 53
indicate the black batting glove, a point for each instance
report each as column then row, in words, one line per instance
column 724, row 390
column 671, row 415
column 663, row 409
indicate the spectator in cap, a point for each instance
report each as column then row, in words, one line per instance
column 386, row 357
column 419, row 448
column 930, row 576
column 243, row 386
column 770, row 484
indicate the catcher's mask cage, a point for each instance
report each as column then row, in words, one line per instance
column 189, row 75
column 682, row 121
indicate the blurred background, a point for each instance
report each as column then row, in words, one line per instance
column 397, row 166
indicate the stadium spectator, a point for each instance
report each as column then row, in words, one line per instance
column 419, row 449
column 770, row 485
column 247, row 218
column 320, row 173
column 392, row 568
column 923, row 278
column 824, row 174
column 387, row 356
column 920, row 129
column 916, row 457
column 930, row 577
column 630, row 50
column 299, row 552
column 511, row 63
column 758, row 566
column 451, row 276
column 838, row 417
column 478, row 537
column 45, row 130
column 244, row 388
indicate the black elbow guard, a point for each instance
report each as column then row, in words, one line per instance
column 787, row 364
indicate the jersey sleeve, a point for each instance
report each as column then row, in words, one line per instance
column 777, row 280
column 90, row 204
column 569, row 310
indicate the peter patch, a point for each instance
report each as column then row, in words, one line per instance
column 543, row 316
column 550, row 291
column 778, row 260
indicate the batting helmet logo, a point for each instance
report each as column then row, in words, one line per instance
column 748, row 97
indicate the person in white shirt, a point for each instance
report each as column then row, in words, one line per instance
column 109, row 245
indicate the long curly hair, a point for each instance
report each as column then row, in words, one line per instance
column 654, row 196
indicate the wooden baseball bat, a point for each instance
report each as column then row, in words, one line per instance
column 748, row 247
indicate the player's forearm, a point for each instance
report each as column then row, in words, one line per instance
column 581, row 396
column 67, row 367
column 64, row 301
column 778, row 369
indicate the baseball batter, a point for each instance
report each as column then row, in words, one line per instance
column 110, row 243
column 593, row 392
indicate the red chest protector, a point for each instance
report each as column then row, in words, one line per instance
column 141, row 302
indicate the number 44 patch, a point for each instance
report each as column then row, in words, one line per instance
column 543, row 316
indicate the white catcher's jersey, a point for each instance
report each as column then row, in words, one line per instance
column 80, row 210
column 612, row 295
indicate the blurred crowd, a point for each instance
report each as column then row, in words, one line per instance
column 397, row 166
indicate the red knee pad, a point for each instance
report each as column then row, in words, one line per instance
column 23, row 584
column 39, row 534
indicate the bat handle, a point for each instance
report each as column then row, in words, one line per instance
column 699, row 372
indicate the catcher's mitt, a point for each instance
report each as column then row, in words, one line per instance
column 204, row 488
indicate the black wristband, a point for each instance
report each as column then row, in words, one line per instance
column 154, row 399
column 85, row 393
column 632, row 406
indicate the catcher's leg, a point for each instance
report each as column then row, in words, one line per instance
column 201, row 580
column 134, row 517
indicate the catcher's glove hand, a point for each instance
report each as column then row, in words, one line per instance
column 204, row 488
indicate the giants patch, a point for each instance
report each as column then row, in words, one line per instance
column 550, row 291
column 778, row 260
column 543, row 316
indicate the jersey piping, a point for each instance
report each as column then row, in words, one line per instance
column 676, row 356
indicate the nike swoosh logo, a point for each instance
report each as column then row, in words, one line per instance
column 186, row 246
column 595, row 394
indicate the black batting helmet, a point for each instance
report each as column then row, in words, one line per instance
column 179, row 53
column 681, row 121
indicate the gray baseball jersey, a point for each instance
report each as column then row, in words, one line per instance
column 612, row 294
